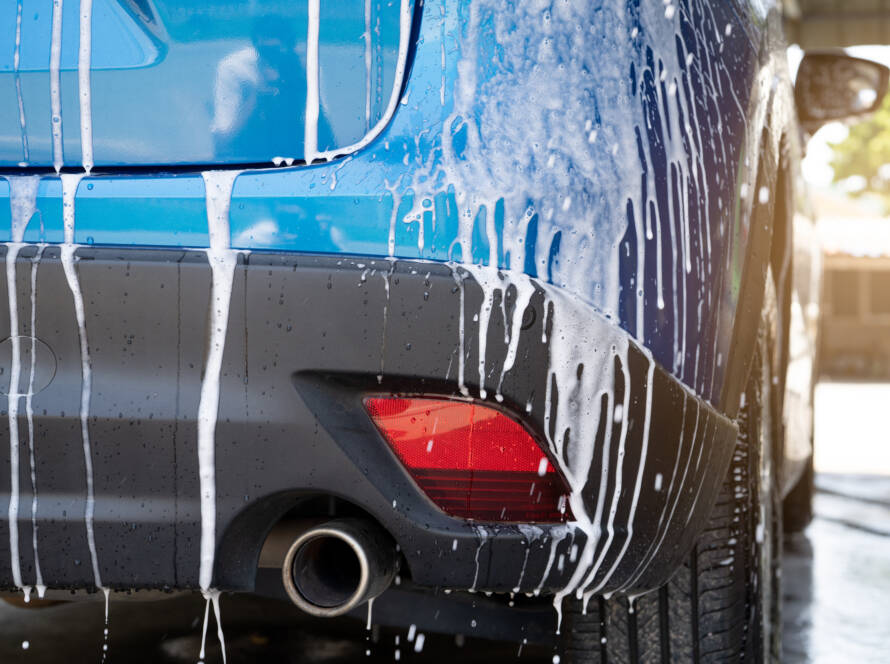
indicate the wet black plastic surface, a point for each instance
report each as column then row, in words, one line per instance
column 307, row 337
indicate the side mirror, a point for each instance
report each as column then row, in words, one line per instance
column 835, row 86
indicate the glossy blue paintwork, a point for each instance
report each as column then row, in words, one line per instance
column 195, row 81
column 346, row 206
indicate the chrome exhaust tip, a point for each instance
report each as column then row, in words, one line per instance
column 336, row 566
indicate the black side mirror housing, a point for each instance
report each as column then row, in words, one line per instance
column 836, row 86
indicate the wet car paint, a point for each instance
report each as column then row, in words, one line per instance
column 649, row 224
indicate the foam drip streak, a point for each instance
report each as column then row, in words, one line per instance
column 12, row 250
column 16, row 61
column 222, row 259
column 368, row 62
column 70, row 183
column 310, row 130
column 29, row 410
column 461, row 350
column 22, row 205
column 655, row 546
column 639, row 481
column 55, row 84
column 84, row 56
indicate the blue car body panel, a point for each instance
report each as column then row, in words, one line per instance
column 660, row 253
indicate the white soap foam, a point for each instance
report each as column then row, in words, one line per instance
column 218, row 191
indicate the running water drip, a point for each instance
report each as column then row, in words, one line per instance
column 107, row 594
column 370, row 609
column 84, row 56
column 202, row 654
column 211, row 598
column 22, row 204
column 310, row 131
column 16, row 61
column 70, row 181
column 218, row 187
column 55, row 85
column 368, row 634
column 214, row 600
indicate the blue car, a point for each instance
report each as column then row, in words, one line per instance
column 478, row 312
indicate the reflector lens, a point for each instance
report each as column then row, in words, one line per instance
column 473, row 461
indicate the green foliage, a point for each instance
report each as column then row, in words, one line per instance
column 865, row 151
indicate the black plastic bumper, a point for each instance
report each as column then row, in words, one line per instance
column 308, row 336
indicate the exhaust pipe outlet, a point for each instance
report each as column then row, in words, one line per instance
column 336, row 566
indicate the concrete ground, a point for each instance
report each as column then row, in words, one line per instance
column 836, row 585
column 837, row 574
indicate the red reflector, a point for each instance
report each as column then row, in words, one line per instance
column 474, row 462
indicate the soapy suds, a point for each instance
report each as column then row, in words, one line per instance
column 84, row 56
column 70, row 182
column 218, row 190
column 526, row 148
column 523, row 153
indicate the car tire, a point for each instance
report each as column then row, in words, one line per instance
column 724, row 603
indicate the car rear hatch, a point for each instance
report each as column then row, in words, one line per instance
column 196, row 82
